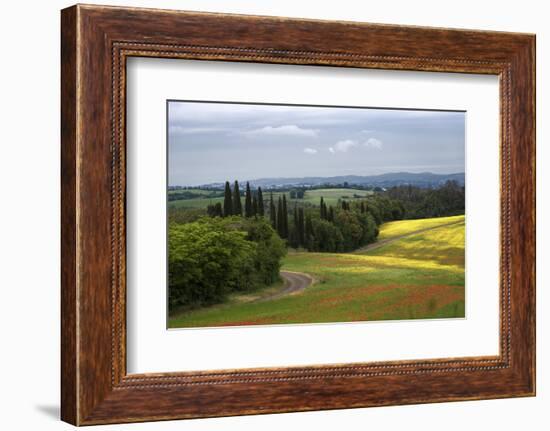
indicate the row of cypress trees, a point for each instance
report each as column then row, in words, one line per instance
column 323, row 234
column 303, row 228
column 327, row 213
column 232, row 205
column 278, row 215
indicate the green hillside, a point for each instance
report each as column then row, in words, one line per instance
column 413, row 276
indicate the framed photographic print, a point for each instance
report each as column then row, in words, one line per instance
column 259, row 216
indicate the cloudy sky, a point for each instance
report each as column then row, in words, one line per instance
column 215, row 142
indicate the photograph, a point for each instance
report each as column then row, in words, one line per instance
column 285, row 212
column 297, row 214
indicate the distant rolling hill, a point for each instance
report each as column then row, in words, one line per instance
column 424, row 179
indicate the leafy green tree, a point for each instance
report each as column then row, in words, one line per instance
column 215, row 210
column 350, row 228
column 269, row 251
column 412, row 202
column 237, row 205
column 185, row 215
column 205, row 262
column 210, row 210
column 227, row 201
column 370, row 229
column 327, row 237
column 374, row 210
column 212, row 257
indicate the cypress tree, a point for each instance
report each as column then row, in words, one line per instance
column 362, row 207
column 280, row 218
column 254, row 205
column 301, row 233
column 272, row 212
column 285, row 218
column 309, row 233
column 237, row 206
column 227, row 202
column 260, row 202
column 323, row 210
column 247, row 201
column 296, row 233
column 218, row 209
column 331, row 214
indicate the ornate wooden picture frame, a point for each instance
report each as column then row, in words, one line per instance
column 96, row 41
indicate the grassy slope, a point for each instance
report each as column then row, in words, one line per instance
column 194, row 203
column 420, row 276
column 403, row 227
column 331, row 196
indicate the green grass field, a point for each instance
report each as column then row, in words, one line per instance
column 194, row 203
column 330, row 196
column 196, row 191
column 414, row 277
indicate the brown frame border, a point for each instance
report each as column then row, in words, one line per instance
column 95, row 43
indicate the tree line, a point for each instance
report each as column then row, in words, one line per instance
column 239, row 247
column 332, row 229
column 340, row 228
column 416, row 202
column 232, row 205
column 212, row 257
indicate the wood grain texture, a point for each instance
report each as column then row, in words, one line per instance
column 69, row 366
column 96, row 41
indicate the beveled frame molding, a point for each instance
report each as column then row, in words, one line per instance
column 96, row 41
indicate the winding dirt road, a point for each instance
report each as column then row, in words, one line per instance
column 294, row 282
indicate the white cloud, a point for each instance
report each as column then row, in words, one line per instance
column 310, row 151
column 373, row 143
column 343, row 146
column 347, row 144
column 285, row 130
column 181, row 130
